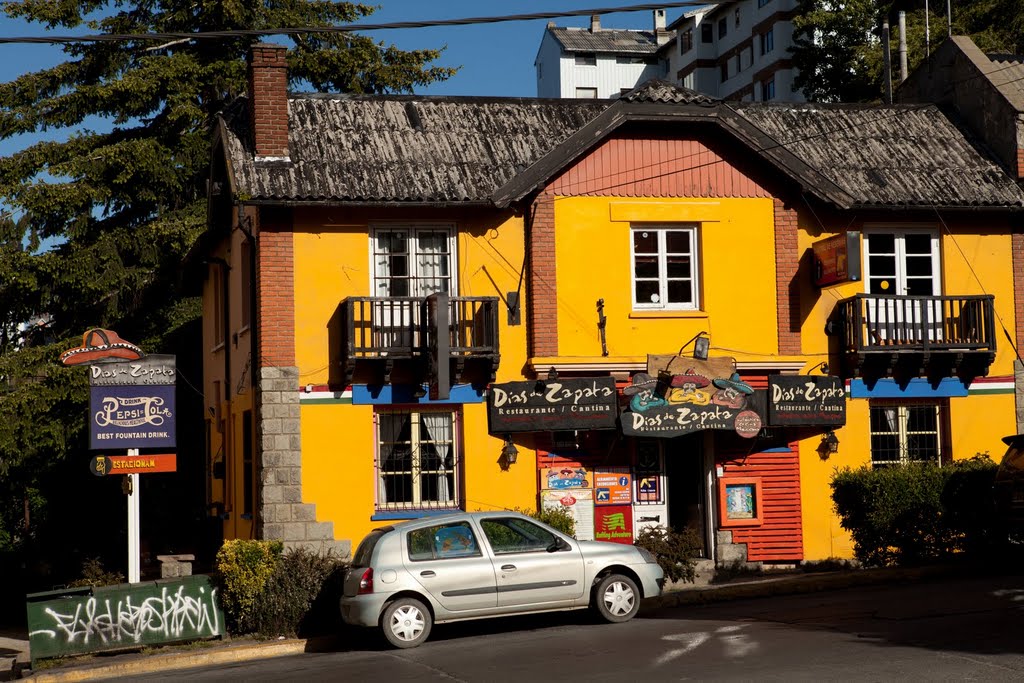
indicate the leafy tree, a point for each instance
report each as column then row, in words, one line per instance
column 837, row 47
column 117, row 190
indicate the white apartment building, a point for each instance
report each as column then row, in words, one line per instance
column 737, row 51
column 600, row 63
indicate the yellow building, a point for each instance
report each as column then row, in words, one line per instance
column 658, row 310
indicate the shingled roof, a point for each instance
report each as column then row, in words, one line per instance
column 433, row 150
column 402, row 148
column 619, row 41
column 900, row 155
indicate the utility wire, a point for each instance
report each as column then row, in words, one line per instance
column 350, row 28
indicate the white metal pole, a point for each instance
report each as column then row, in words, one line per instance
column 134, row 574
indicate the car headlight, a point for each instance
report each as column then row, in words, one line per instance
column 647, row 555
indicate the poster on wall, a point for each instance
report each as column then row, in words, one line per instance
column 552, row 405
column 614, row 523
column 837, row 259
column 802, row 400
column 579, row 503
column 562, row 478
column 613, row 487
column 679, row 395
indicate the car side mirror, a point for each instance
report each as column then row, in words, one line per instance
column 559, row 544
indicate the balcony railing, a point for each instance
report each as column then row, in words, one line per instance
column 874, row 322
column 400, row 327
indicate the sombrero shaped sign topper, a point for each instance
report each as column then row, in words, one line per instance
column 100, row 345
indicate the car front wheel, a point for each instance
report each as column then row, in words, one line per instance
column 406, row 622
column 617, row 598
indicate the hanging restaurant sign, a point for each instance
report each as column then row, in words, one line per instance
column 552, row 405
column 679, row 395
column 837, row 259
column 802, row 400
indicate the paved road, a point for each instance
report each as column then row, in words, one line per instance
column 950, row 630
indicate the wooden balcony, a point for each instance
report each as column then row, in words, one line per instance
column 916, row 336
column 385, row 336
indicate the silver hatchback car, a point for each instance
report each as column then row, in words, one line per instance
column 406, row 577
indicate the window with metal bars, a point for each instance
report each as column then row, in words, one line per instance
column 904, row 432
column 417, row 462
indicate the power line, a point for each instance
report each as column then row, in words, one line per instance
column 349, row 28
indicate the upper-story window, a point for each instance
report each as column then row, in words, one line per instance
column 586, row 93
column 762, row 3
column 737, row 15
column 768, row 89
column 686, row 41
column 413, row 260
column 665, row 273
column 586, row 59
column 723, row 28
column 767, row 41
column 707, row 33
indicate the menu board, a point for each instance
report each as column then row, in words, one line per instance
column 579, row 502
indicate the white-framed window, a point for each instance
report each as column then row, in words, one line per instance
column 413, row 260
column 586, row 93
column 903, row 432
column 417, row 460
column 665, row 267
column 904, row 262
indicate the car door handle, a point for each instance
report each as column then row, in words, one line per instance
column 508, row 567
column 427, row 574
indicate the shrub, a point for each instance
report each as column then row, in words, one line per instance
column 245, row 567
column 93, row 574
column 676, row 551
column 559, row 517
column 301, row 596
column 916, row 513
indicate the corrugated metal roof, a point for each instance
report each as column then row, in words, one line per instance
column 417, row 149
column 622, row 41
column 403, row 148
column 1011, row 67
column 902, row 155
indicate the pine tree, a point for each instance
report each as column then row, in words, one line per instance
column 116, row 187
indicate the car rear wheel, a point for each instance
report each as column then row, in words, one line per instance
column 616, row 598
column 406, row 622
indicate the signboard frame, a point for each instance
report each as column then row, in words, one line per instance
column 806, row 401
column 579, row 403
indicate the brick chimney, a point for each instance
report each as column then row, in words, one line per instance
column 268, row 100
column 595, row 23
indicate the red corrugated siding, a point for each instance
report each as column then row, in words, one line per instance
column 642, row 167
column 780, row 538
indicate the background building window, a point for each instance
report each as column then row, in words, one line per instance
column 664, row 267
column 762, row 3
column 737, row 17
column 707, row 33
column 417, row 462
column 686, row 41
column 767, row 41
column 768, row 89
column 586, row 59
column 723, row 28
column 247, row 283
column 586, row 93
column 723, row 71
column 903, row 432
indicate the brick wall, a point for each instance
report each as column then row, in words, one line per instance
column 268, row 99
column 543, row 302
column 276, row 296
column 787, row 263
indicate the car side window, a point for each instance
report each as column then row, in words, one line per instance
column 514, row 535
column 442, row 542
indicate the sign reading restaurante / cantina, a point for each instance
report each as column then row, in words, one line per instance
column 802, row 400
column 552, row 405
column 679, row 395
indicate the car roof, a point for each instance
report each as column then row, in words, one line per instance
column 432, row 520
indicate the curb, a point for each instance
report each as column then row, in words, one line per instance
column 165, row 662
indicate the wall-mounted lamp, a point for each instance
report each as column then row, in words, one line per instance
column 701, row 343
column 509, row 452
column 823, row 365
column 829, row 443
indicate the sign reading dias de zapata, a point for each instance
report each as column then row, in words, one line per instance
column 131, row 403
column 552, row 405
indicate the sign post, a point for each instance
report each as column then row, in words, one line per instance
column 134, row 551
